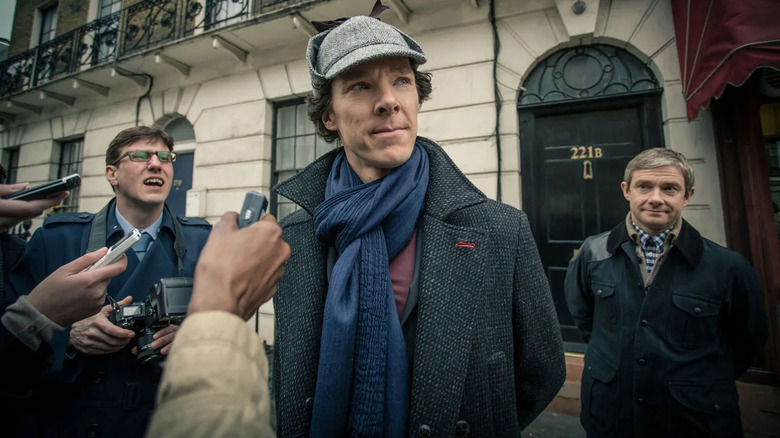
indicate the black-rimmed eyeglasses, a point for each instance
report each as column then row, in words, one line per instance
column 146, row 156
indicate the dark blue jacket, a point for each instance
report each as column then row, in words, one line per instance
column 104, row 395
column 661, row 360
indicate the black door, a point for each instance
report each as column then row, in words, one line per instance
column 572, row 171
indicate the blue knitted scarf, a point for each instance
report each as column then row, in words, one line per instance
column 363, row 376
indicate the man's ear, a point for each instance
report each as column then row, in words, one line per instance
column 688, row 197
column 624, row 187
column 111, row 171
column 327, row 120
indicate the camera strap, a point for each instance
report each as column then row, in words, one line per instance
column 97, row 235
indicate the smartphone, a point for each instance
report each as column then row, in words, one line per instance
column 253, row 209
column 117, row 249
column 45, row 190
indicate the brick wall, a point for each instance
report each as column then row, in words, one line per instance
column 72, row 14
column 23, row 23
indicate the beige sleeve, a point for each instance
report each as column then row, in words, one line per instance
column 215, row 382
column 29, row 325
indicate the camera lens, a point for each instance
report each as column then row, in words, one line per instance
column 146, row 354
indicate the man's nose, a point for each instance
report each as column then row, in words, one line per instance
column 154, row 162
column 387, row 102
column 655, row 196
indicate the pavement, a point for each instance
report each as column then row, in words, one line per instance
column 554, row 425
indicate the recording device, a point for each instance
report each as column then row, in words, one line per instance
column 253, row 209
column 116, row 250
column 45, row 190
column 166, row 304
column 168, row 300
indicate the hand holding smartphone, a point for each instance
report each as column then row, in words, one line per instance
column 253, row 209
column 45, row 190
column 117, row 249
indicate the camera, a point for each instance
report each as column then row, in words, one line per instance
column 166, row 304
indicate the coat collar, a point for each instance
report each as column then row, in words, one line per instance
column 689, row 241
column 307, row 189
column 113, row 227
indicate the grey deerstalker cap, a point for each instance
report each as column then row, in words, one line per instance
column 355, row 41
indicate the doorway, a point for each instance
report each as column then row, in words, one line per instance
column 585, row 113
column 183, row 135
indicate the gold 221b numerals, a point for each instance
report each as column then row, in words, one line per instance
column 585, row 152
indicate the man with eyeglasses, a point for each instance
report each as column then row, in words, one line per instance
column 95, row 386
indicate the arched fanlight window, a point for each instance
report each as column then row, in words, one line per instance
column 586, row 72
column 181, row 130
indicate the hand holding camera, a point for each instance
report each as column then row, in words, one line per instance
column 155, row 319
column 98, row 335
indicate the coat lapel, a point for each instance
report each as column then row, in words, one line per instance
column 451, row 271
column 155, row 265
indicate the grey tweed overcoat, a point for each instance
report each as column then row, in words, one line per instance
column 488, row 355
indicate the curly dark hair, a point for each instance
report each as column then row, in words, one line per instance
column 319, row 102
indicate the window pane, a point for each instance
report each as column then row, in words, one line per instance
column 303, row 124
column 296, row 146
column 48, row 24
column 773, row 154
column 285, row 122
column 108, row 7
column 284, row 176
column 304, row 150
column 11, row 164
column 285, row 209
column 219, row 12
column 323, row 147
column 285, row 154
column 70, row 162
column 181, row 130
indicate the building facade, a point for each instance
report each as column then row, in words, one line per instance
column 540, row 103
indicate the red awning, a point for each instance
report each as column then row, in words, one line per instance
column 722, row 42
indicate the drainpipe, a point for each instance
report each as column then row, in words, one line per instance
column 496, row 93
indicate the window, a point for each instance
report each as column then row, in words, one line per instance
column 108, row 7
column 296, row 144
column 222, row 12
column 11, row 165
column 70, row 162
column 772, row 146
column 183, row 135
column 105, row 36
column 48, row 24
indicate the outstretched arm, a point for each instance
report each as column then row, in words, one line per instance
column 215, row 380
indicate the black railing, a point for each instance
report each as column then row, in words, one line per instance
column 136, row 28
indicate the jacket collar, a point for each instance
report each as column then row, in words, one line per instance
column 307, row 189
column 689, row 241
column 113, row 227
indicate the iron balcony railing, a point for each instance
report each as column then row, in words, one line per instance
column 138, row 27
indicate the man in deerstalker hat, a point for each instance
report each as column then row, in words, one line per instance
column 412, row 303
